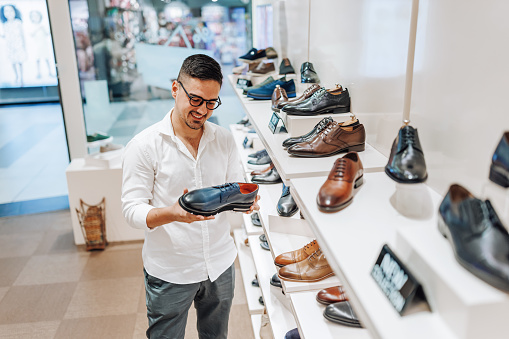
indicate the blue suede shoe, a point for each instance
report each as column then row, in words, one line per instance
column 499, row 170
column 265, row 92
column 212, row 200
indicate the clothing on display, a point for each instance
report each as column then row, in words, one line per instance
column 286, row 67
column 212, row 200
column 286, row 206
column 331, row 295
column 479, row 240
column 265, row 92
column 335, row 138
column 278, row 95
column 300, row 254
column 338, row 190
column 342, row 313
column 499, row 170
column 322, row 101
column 313, row 268
column 305, row 95
column 271, row 177
column 308, row 73
column 406, row 163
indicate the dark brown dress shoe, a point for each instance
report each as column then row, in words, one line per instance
column 331, row 295
column 263, row 171
column 337, row 191
column 292, row 257
column 314, row 268
column 263, row 68
column 307, row 94
column 334, row 139
column 278, row 95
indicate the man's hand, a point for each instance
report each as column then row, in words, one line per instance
column 183, row 216
column 254, row 206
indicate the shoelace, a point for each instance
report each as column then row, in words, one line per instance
column 308, row 246
column 317, row 95
column 328, row 129
column 340, row 168
column 322, row 124
column 315, row 255
column 308, row 90
column 226, row 187
column 408, row 136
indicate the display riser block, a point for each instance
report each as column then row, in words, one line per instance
column 469, row 307
column 278, row 305
column 284, row 242
column 499, row 197
column 294, row 225
column 249, row 227
column 299, row 125
column 312, row 324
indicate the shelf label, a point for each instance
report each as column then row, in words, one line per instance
column 243, row 83
column 396, row 281
column 274, row 122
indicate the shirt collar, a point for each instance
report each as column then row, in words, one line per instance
column 166, row 128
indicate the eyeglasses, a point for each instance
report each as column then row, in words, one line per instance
column 197, row 101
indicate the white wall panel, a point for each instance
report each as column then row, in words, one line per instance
column 459, row 99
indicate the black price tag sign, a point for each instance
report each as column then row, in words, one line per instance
column 274, row 119
column 395, row 280
column 243, row 83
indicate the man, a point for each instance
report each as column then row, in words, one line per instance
column 186, row 257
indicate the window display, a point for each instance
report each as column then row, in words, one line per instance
column 26, row 50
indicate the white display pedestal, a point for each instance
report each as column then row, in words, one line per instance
column 91, row 184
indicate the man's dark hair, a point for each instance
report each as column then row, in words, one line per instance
column 202, row 67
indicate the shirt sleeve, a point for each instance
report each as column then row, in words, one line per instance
column 137, row 185
column 235, row 171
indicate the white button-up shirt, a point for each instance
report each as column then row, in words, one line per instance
column 157, row 166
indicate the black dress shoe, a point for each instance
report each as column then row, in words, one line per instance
column 255, row 282
column 244, row 121
column 286, row 206
column 322, row 101
column 499, row 170
column 260, row 300
column 258, row 154
column 212, row 200
column 406, row 162
column 265, row 246
column 286, row 67
column 262, row 238
column 308, row 74
column 253, row 55
column 342, row 313
column 255, row 219
column 274, row 281
column 317, row 129
column 271, row 177
column 479, row 240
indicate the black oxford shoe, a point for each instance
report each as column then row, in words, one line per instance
column 212, row 200
column 286, row 206
column 499, row 170
column 479, row 240
column 342, row 313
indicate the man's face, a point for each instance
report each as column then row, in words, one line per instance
column 194, row 117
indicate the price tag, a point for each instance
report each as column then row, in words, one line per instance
column 243, row 83
column 395, row 280
column 274, row 120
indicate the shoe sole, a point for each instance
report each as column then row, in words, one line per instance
column 419, row 181
column 355, row 148
column 230, row 207
column 265, row 97
column 308, row 280
column 266, row 182
column 331, row 209
column 336, row 109
column 342, row 322
column 444, row 230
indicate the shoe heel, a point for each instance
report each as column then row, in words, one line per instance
column 442, row 227
column 357, row 148
column 358, row 182
column 498, row 178
column 345, row 109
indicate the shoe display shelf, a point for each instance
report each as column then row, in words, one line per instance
column 239, row 135
column 499, row 197
column 310, row 320
column 278, row 305
column 256, row 322
column 353, row 238
column 247, row 267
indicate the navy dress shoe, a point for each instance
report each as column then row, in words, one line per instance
column 308, row 74
column 342, row 313
column 479, row 240
column 499, row 170
column 292, row 334
column 406, row 163
column 286, row 206
column 265, row 92
column 253, row 55
column 212, row 200
column 275, row 281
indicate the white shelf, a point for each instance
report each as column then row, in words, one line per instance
column 313, row 325
column 239, row 135
column 253, row 293
column 352, row 240
column 278, row 305
column 249, row 227
column 256, row 322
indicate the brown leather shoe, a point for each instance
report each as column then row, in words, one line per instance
column 334, row 139
column 314, row 268
column 263, row 171
column 337, row 191
column 292, row 257
column 278, row 95
column 331, row 295
column 263, row 68
column 307, row 93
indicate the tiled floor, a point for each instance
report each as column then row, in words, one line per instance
column 49, row 288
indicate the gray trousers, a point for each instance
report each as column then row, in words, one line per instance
column 168, row 305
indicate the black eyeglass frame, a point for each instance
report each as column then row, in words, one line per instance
column 191, row 97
